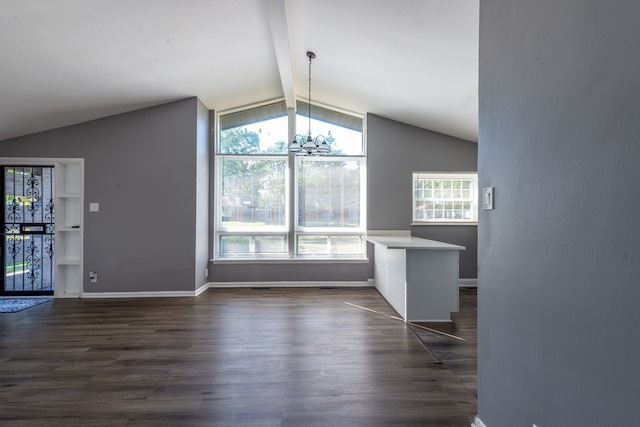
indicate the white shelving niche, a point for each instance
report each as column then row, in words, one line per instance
column 69, row 227
column 69, row 220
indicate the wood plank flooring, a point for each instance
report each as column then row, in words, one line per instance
column 460, row 357
column 230, row 357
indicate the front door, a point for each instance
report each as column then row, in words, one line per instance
column 28, row 230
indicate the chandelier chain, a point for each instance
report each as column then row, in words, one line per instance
column 302, row 146
column 310, row 57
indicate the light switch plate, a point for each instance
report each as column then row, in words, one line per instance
column 94, row 207
column 487, row 198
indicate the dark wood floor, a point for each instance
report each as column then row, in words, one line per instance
column 242, row 357
column 460, row 357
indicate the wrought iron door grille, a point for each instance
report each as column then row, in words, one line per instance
column 28, row 238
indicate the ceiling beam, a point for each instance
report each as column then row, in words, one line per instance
column 280, row 34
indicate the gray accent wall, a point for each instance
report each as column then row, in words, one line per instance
column 151, row 172
column 395, row 151
column 559, row 260
column 290, row 272
column 144, row 168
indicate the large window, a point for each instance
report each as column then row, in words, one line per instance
column 445, row 197
column 270, row 203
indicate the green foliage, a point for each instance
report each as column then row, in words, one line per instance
column 239, row 141
column 16, row 267
column 280, row 147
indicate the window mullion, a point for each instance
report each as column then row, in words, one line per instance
column 292, row 189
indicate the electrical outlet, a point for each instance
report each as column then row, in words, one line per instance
column 93, row 277
column 206, row 272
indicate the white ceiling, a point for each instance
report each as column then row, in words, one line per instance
column 69, row 61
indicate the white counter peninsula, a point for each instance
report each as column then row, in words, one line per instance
column 418, row 277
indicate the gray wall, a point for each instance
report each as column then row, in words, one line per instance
column 395, row 151
column 149, row 170
column 559, row 277
column 141, row 168
column 290, row 272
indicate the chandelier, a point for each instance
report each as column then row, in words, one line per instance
column 309, row 146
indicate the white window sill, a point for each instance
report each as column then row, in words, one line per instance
column 296, row 260
column 475, row 224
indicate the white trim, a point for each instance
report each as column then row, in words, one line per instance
column 477, row 422
column 248, row 107
column 39, row 161
column 298, row 260
column 144, row 294
column 468, row 283
column 203, row 288
column 67, row 295
column 292, row 284
column 471, row 223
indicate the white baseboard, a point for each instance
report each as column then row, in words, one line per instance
column 202, row 288
column 463, row 283
column 368, row 283
column 468, row 283
column 63, row 295
column 477, row 422
column 145, row 294
column 283, row 284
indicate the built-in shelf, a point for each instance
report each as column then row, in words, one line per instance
column 69, row 226
column 68, row 261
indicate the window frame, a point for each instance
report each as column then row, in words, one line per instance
column 220, row 231
column 257, row 157
column 445, row 176
column 290, row 231
column 331, row 232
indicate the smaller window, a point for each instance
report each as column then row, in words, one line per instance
column 445, row 197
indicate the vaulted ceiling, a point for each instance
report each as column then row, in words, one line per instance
column 68, row 61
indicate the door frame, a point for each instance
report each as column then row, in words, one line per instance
column 43, row 253
column 71, row 285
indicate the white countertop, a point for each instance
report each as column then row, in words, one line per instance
column 412, row 242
